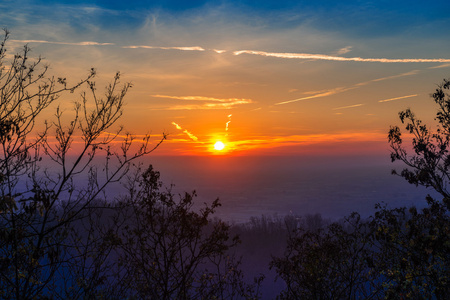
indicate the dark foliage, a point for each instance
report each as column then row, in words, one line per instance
column 169, row 251
column 412, row 251
column 63, row 237
column 429, row 165
column 330, row 262
column 398, row 253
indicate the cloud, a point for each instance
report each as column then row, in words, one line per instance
column 349, row 106
column 202, row 98
column 195, row 48
column 265, row 142
column 320, row 94
column 398, row 98
column 324, row 93
column 227, row 124
column 85, row 43
column 189, row 134
column 193, row 137
column 410, row 73
column 339, row 58
column 177, row 126
column 200, row 107
column 210, row 102
column 344, row 50
column 440, row 66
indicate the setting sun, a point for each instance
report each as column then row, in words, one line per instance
column 219, row 146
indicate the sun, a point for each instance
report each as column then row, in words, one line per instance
column 219, row 146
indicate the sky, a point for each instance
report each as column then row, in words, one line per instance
column 263, row 77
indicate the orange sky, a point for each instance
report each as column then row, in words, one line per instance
column 259, row 85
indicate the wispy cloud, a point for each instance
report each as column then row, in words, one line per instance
column 398, row 98
column 265, row 142
column 348, row 106
column 261, row 142
column 226, row 124
column 344, row 50
column 199, row 107
column 325, row 93
column 209, row 102
column 85, row 43
column 340, row 58
column 410, row 73
column 194, row 48
column 320, row 94
column 203, row 98
column 440, row 66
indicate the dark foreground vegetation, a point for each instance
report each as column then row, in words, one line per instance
column 62, row 236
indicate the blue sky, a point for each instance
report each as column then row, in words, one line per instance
column 354, row 17
column 357, row 19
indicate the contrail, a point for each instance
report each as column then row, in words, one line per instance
column 85, row 43
column 177, row 126
column 193, row 137
column 322, row 94
column 226, row 126
column 189, row 134
column 344, row 89
column 398, row 98
column 339, row 58
column 202, row 98
column 349, row 106
column 194, row 48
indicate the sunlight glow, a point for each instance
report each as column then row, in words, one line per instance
column 219, row 146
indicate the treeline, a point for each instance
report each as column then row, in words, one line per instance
column 151, row 244
column 399, row 253
column 63, row 236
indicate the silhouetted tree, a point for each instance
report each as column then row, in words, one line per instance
column 397, row 253
column 40, row 202
column 63, row 236
column 416, row 244
column 429, row 164
column 170, row 251
column 330, row 262
column 412, row 251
